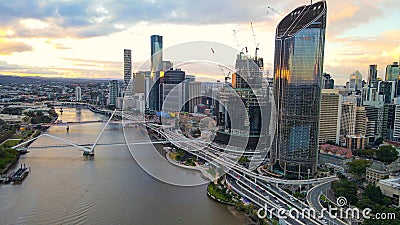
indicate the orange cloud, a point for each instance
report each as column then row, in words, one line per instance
column 8, row 47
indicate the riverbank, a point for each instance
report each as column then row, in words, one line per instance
column 11, row 156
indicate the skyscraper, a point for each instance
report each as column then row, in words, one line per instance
column 153, row 97
column 113, row 92
column 355, row 83
column 392, row 72
column 330, row 117
column 170, row 88
column 156, row 53
column 127, row 69
column 373, row 76
column 327, row 81
column 299, row 54
column 78, row 94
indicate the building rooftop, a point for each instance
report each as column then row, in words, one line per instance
column 336, row 150
column 394, row 183
column 299, row 18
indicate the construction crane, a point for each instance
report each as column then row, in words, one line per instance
column 237, row 43
column 255, row 43
column 227, row 77
column 273, row 10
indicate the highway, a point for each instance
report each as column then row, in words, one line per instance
column 262, row 193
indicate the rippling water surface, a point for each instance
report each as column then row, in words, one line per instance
column 64, row 188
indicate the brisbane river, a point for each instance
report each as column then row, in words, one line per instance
column 65, row 188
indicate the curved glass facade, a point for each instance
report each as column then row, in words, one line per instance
column 299, row 53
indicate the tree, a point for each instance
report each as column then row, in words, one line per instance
column 367, row 153
column 374, row 193
column 347, row 189
column 387, row 154
column 358, row 167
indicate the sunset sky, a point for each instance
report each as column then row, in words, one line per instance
column 86, row 39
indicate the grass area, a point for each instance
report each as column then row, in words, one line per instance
column 11, row 143
column 7, row 156
column 220, row 192
column 173, row 155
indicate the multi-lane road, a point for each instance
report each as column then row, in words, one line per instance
column 258, row 188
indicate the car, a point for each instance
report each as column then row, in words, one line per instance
column 292, row 199
column 268, row 185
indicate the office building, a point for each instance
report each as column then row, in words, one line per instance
column 331, row 113
column 139, row 79
column 153, row 82
column 156, row 53
column 373, row 76
column 388, row 122
column 355, row 83
column 192, row 95
column 167, row 65
column 299, row 54
column 392, row 72
column 387, row 89
column 172, row 90
column 327, row 81
column 396, row 125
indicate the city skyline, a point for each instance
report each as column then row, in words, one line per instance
column 85, row 39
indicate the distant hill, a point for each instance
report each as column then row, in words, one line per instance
column 7, row 79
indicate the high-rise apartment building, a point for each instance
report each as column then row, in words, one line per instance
column 299, row 55
column 113, row 92
column 78, row 94
column 348, row 121
column 127, row 70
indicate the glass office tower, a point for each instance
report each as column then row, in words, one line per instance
column 153, row 101
column 156, row 53
column 299, row 54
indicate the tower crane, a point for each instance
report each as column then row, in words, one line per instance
column 227, row 77
column 255, row 43
column 237, row 43
column 273, row 10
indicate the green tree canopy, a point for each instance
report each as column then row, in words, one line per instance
column 358, row 167
column 387, row 154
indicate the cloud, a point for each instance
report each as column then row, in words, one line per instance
column 92, row 18
column 8, row 47
column 6, row 68
column 357, row 53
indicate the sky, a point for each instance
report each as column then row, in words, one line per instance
column 85, row 39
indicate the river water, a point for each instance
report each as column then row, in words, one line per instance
column 65, row 188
